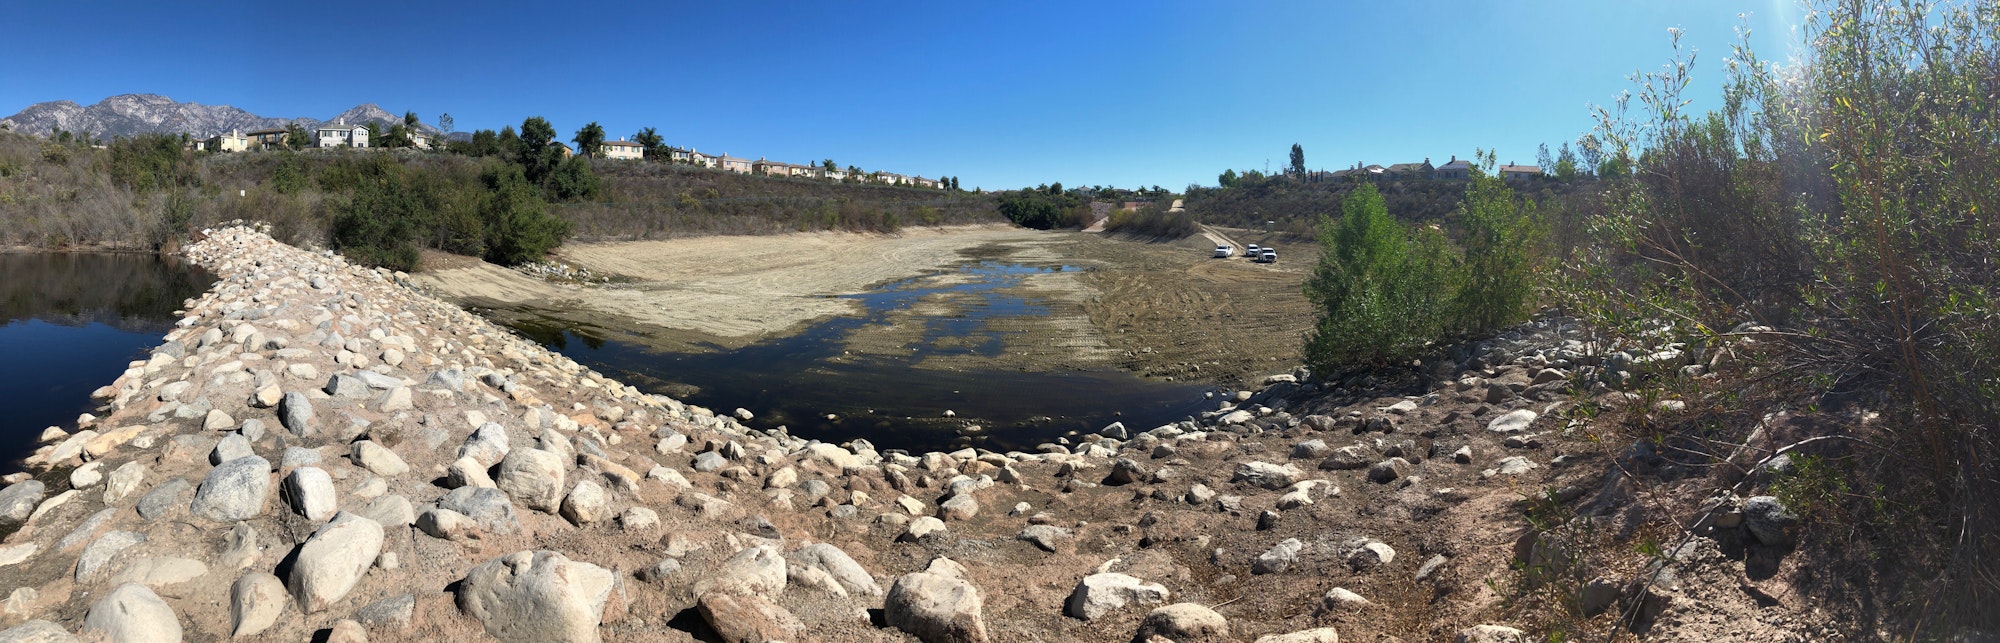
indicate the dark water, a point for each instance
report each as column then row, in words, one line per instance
column 72, row 324
column 796, row 381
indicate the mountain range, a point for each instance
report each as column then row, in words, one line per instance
column 130, row 114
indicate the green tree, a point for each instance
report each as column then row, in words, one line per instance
column 650, row 139
column 1227, row 179
column 518, row 226
column 1382, row 292
column 572, row 180
column 374, row 133
column 445, row 123
column 296, row 137
column 538, row 153
column 1566, row 167
column 589, row 140
column 1502, row 233
column 410, row 120
column 828, row 164
column 1298, row 167
column 378, row 223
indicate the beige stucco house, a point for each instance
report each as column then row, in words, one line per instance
column 230, row 142
column 734, row 164
column 624, row 149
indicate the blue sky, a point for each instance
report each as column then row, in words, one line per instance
column 1001, row 94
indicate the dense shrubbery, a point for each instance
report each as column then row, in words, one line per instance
column 1045, row 208
column 661, row 200
column 1851, row 205
column 1154, row 220
column 1387, row 292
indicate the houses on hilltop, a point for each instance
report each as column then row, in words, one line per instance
column 1456, row 169
column 342, row 135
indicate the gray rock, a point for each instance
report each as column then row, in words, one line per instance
column 18, row 501
column 230, row 447
column 1314, row 448
column 936, row 607
column 709, row 462
column 84, row 476
column 450, row 378
column 958, row 508
column 487, row 507
column 101, row 551
column 448, row 525
column 1770, row 521
column 1278, row 558
column 256, row 601
column 1371, row 555
column 487, row 445
column 332, row 561
column 659, row 572
column 1266, row 475
column 309, row 491
column 585, row 504
column 1126, row 471
column 295, row 412
column 839, row 565
column 467, row 472
column 537, row 596
column 1340, row 599
column 37, row 631
column 390, row 613
column 123, row 481
column 1044, row 536
column 164, row 499
column 1389, row 470
column 343, row 385
column 756, row 570
column 234, row 490
column 379, row 459
column 748, row 618
column 1100, row 594
column 390, row 511
column 133, row 614
column 83, row 531
column 379, row 381
column 1315, row 635
column 533, row 477
column 1183, row 622
column 1512, row 422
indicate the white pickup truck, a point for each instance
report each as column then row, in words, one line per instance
column 1223, row 251
column 1267, row 256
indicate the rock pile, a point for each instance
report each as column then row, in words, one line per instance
column 318, row 450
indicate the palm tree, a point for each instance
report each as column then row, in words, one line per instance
column 589, row 139
column 650, row 138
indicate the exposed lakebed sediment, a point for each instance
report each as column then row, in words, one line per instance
column 320, row 451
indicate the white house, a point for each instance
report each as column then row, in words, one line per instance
column 340, row 134
column 624, row 149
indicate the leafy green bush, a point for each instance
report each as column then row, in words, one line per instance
column 1383, row 291
column 378, row 223
column 153, row 161
column 1501, row 238
column 518, row 226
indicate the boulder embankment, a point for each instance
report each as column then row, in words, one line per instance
column 318, row 450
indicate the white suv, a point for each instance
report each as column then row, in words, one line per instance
column 1223, row 251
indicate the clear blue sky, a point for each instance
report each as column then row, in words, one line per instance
column 1001, row 94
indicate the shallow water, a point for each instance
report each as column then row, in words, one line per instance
column 72, row 324
column 797, row 381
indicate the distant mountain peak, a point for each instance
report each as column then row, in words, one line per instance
column 141, row 113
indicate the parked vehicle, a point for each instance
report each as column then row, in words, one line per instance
column 1223, row 251
column 1253, row 252
column 1267, row 256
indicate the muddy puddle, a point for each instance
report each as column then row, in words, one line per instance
column 969, row 340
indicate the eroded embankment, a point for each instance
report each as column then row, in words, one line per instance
column 318, row 450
